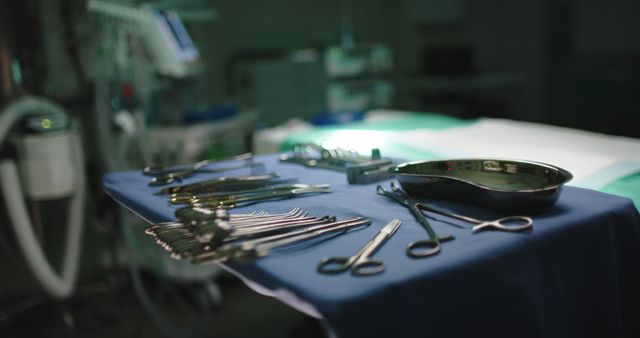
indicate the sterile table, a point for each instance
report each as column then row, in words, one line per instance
column 576, row 274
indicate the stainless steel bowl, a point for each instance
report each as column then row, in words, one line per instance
column 512, row 186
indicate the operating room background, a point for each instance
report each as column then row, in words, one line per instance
column 557, row 62
column 562, row 62
column 551, row 61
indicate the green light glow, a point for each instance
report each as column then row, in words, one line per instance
column 46, row 123
column 361, row 141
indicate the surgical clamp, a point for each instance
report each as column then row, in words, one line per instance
column 508, row 223
column 208, row 227
column 262, row 246
column 417, row 249
column 183, row 241
column 360, row 263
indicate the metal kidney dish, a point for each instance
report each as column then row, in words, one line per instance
column 514, row 186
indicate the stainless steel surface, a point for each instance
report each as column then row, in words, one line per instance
column 164, row 176
column 203, row 235
column 513, row 186
column 218, row 183
column 360, row 169
column 251, row 249
column 186, row 197
column 360, row 263
column 264, row 246
column 508, row 223
column 232, row 200
column 287, row 190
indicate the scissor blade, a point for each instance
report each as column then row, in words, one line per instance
column 391, row 227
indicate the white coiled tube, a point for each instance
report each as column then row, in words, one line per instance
column 57, row 286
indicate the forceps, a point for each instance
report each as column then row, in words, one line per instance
column 219, row 183
column 509, row 223
column 193, row 198
column 163, row 176
column 231, row 201
column 261, row 247
column 360, row 263
column 417, row 249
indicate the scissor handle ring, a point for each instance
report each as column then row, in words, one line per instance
column 367, row 267
column 509, row 223
column 421, row 249
column 333, row 265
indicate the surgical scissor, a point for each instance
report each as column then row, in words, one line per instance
column 508, row 223
column 417, row 249
column 360, row 263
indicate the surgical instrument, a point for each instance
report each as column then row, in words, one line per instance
column 417, row 249
column 213, row 227
column 360, row 263
column 229, row 186
column 206, row 232
column 192, row 214
column 232, row 201
column 176, row 239
column 163, row 176
column 276, row 226
column 508, row 223
column 261, row 247
column 365, row 173
column 198, row 219
column 187, row 198
column 217, row 223
column 218, row 183
column 360, row 169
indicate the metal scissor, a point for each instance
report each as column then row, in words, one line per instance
column 417, row 249
column 508, row 223
column 360, row 263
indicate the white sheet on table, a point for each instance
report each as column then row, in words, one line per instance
column 269, row 140
column 593, row 159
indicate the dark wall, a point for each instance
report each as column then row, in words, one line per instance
column 244, row 27
column 593, row 67
column 566, row 62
